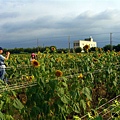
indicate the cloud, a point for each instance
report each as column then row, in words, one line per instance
column 48, row 27
column 8, row 15
column 31, row 25
column 83, row 21
column 104, row 15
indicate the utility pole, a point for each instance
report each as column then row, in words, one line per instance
column 37, row 45
column 37, row 42
column 69, row 43
column 111, row 41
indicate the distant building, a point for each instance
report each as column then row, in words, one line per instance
column 82, row 43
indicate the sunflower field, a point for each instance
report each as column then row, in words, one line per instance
column 71, row 86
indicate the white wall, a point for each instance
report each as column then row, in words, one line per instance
column 82, row 43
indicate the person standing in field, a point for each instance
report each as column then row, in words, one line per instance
column 2, row 64
column 33, row 57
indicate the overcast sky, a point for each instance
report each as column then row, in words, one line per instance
column 27, row 23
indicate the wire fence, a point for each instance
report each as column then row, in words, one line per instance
column 102, row 110
column 106, row 110
column 6, row 87
column 21, row 84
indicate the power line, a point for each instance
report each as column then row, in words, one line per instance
column 111, row 41
column 62, row 36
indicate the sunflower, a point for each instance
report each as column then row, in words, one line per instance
column 39, row 53
column 95, row 60
column 89, row 104
column 96, row 49
column 30, row 78
column 100, row 49
column 80, row 75
column 86, row 47
column 119, row 53
column 58, row 73
column 99, row 55
column 35, row 63
column 53, row 48
column 23, row 98
column 58, row 59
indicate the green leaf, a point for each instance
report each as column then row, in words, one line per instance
column 86, row 68
column 1, row 104
column 92, row 77
column 75, row 117
column 65, row 99
column 8, row 117
column 35, row 111
column 115, row 83
column 64, row 78
column 51, row 65
column 98, row 118
column 14, row 93
column 43, row 68
column 109, row 70
column 76, row 108
column 17, row 104
column 1, row 82
column 83, row 104
column 8, row 100
column 53, row 83
column 2, row 116
column 64, row 84
column 60, row 92
column 87, row 92
column 73, row 95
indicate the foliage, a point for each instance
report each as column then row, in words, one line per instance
column 78, row 50
column 107, row 47
column 83, row 82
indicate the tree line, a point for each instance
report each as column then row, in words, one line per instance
column 60, row 50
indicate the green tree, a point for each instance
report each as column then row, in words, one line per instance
column 117, row 48
column 78, row 50
column 107, row 47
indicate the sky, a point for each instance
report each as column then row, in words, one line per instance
column 32, row 23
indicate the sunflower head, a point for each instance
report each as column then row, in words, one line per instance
column 95, row 60
column 58, row 59
column 99, row 55
column 58, row 73
column 39, row 53
column 30, row 78
column 23, row 98
column 100, row 50
column 96, row 48
column 119, row 53
column 80, row 75
column 47, row 50
column 35, row 63
column 53, row 48
column 86, row 47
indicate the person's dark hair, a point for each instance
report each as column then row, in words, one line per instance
column 1, row 48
